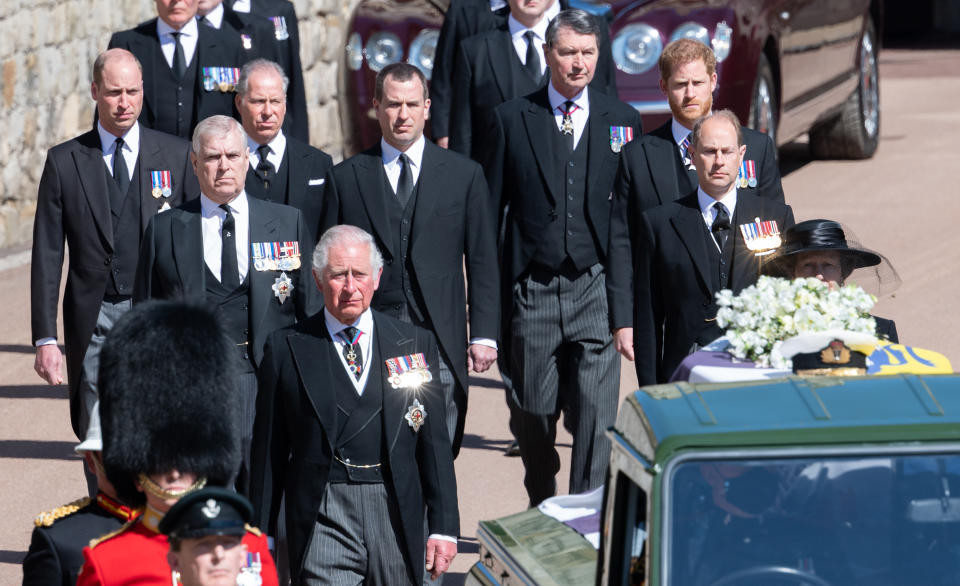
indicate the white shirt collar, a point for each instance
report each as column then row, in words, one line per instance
column 582, row 100
column 241, row 6
column 552, row 11
column 215, row 16
column 680, row 131
column 496, row 5
column 189, row 29
column 518, row 30
column 364, row 323
column 238, row 205
column 131, row 138
column 729, row 200
column 415, row 152
column 277, row 147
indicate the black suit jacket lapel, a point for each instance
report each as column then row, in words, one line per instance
column 93, row 178
column 373, row 186
column 662, row 154
column 499, row 50
column 149, row 161
column 746, row 264
column 541, row 125
column 688, row 222
column 601, row 162
column 149, row 45
column 391, row 343
column 309, row 351
column 297, row 175
column 187, row 245
column 429, row 187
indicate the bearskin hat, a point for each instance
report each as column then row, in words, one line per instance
column 168, row 399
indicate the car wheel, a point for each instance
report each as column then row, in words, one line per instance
column 855, row 132
column 763, row 105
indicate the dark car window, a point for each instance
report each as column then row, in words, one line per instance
column 628, row 533
column 877, row 520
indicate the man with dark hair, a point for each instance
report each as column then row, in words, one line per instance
column 190, row 70
column 167, row 432
column 657, row 169
column 358, row 462
column 282, row 168
column 689, row 249
column 552, row 160
column 261, row 38
column 430, row 212
column 235, row 253
column 97, row 193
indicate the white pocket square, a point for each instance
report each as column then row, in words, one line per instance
column 315, row 182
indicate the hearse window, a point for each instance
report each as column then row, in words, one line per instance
column 857, row 520
column 628, row 535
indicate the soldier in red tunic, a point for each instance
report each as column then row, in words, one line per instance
column 169, row 418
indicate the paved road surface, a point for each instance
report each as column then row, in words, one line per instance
column 902, row 203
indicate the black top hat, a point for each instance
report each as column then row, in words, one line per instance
column 819, row 236
column 211, row 511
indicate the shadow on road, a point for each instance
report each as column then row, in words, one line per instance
column 38, row 450
column 11, row 557
column 19, row 348
column 478, row 442
column 33, row 392
column 793, row 157
column 476, row 381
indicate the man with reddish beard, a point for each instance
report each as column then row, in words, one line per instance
column 282, row 168
column 658, row 169
column 691, row 248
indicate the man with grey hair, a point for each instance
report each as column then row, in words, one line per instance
column 689, row 249
column 238, row 254
column 282, row 168
column 96, row 195
column 351, row 430
column 552, row 158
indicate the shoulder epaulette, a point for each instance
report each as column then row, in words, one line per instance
column 252, row 529
column 98, row 540
column 50, row 517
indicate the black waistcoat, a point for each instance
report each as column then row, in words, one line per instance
column 175, row 100
column 274, row 188
column 233, row 309
column 398, row 285
column 126, row 235
column 359, row 435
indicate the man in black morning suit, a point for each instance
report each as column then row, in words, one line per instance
column 430, row 211
column 468, row 18
column 689, row 249
column 98, row 205
column 263, row 39
column 350, row 429
column 236, row 253
column 505, row 63
column 282, row 168
column 656, row 169
column 554, row 154
column 189, row 70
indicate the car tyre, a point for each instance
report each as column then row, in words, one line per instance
column 855, row 132
column 763, row 104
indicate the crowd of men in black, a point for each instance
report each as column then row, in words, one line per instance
column 550, row 235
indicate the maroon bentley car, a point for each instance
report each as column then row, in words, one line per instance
column 786, row 67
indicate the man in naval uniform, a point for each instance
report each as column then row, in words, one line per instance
column 350, row 429
column 235, row 253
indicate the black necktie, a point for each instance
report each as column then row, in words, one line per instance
column 533, row 57
column 179, row 59
column 721, row 225
column 229, row 272
column 120, row 173
column 351, row 350
column 265, row 167
column 405, row 182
